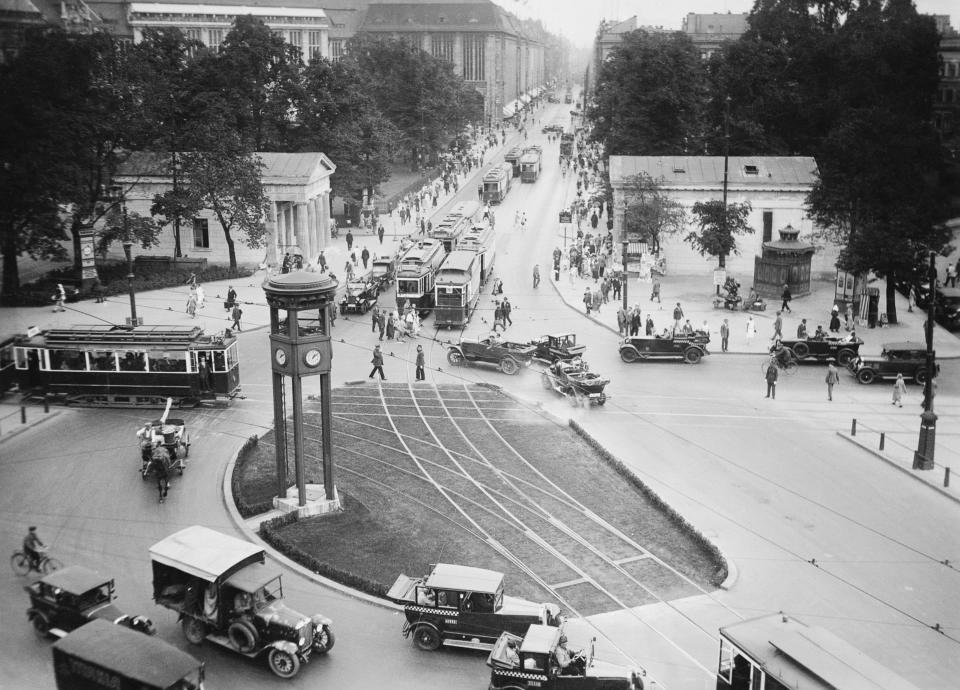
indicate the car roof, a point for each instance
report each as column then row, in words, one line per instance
column 540, row 639
column 75, row 579
column 203, row 552
column 446, row 576
column 253, row 577
column 141, row 658
column 559, row 335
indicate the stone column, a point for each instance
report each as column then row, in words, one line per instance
column 272, row 234
column 300, row 213
column 324, row 203
column 458, row 54
column 325, row 44
column 312, row 238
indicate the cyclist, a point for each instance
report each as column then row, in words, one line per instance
column 31, row 547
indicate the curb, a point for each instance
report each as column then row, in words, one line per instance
column 29, row 425
column 893, row 463
column 240, row 523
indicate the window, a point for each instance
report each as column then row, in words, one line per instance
column 192, row 34
column 215, row 39
column 442, row 46
column 767, row 226
column 313, row 44
column 751, row 170
column 336, row 49
column 201, row 234
column 473, row 58
column 295, row 38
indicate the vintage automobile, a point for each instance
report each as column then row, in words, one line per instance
column 907, row 358
column 557, row 346
column 946, row 307
column 507, row 356
column 460, row 606
column 531, row 661
column 225, row 593
column 553, row 127
column 689, row 348
column 73, row 596
column 576, row 382
column 384, row 271
column 360, row 296
column 841, row 349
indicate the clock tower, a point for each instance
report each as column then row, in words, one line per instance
column 299, row 347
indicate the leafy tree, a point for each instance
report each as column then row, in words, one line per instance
column 719, row 228
column 648, row 96
column 650, row 210
column 144, row 230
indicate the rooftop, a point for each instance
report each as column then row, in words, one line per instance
column 694, row 171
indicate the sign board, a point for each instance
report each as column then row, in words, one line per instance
column 88, row 260
column 719, row 276
column 566, row 217
column 131, row 323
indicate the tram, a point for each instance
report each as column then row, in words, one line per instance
column 496, row 183
column 460, row 218
column 530, row 166
column 416, row 273
column 481, row 239
column 124, row 366
column 457, row 289
column 513, row 158
column 779, row 652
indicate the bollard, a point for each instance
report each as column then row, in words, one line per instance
column 46, row 403
column 883, row 437
column 946, row 476
column 853, row 428
column 23, row 414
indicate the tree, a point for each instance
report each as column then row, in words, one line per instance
column 648, row 97
column 719, row 228
column 650, row 211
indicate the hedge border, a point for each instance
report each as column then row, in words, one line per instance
column 247, row 510
column 723, row 569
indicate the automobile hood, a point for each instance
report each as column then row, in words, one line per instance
column 107, row 612
column 605, row 669
column 514, row 606
column 279, row 614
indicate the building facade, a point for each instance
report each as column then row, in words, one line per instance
column 492, row 50
column 775, row 187
column 709, row 31
column 298, row 220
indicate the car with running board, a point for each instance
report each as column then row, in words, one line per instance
column 843, row 350
column 557, row 346
column 690, row 348
column 907, row 358
column 508, row 357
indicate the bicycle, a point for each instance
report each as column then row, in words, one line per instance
column 789, row 367
column 22, row 565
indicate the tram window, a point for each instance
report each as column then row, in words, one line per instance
column 408, row 286
column 102, row 360
column 6, row 356
column 133, row 361
column 219, row 361
column 232, row 357
column 67, row 360
column 725, row 668
column 166, row 361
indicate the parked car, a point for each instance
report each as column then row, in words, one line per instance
column 360, row 296
column 507, row 356
column 946, row 307
column 461, row 606
column 225, row 593
column 907, row 358
column 531, row 661
column 384, row 271
column 841, row 349
column 689, row 348
column 557, row 346
column 73, row 596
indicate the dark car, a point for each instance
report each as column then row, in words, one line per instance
column 946, row 307
column 844, row 350
column 506, row 356
column 557, row 346
column 907, row 358
column 71, row 597
column 461, row 606
column 689, row 348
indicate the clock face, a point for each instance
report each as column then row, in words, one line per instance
column 312, row 358
column 280, row 355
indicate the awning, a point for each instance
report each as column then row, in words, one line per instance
column 511, row 108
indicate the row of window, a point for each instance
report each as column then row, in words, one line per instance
column 128, row 360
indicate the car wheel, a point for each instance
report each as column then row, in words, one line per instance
column 283, row 664
column 545, row 380
column 194, row 630
column 866, row 375
column 426, row 638
column 509, row 366
column 801, row 350
column 323, row 640
column 692, row 355
column 844, row 357
column 48, row 565
column 20, row 563
column 455, row 357
column 243, row 635
column 921, row 376
column 629, row 355
column 41, row 624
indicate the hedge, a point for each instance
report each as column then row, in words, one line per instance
column 246, row 510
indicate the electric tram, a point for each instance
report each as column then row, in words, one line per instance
column 457, row 288
column 416, row 274
column 496, row 183
column 128, row 366
column 460, row 218
column 481, row 239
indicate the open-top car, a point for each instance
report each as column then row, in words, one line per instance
column 907, row 358
column 539, row 659
column 360, row 295
column 844, row 350
column 574, row 380
column 689, row 348
column 164, row 440
column 460, row 606
column 225, row 593
column 557, row 346
column 507, row 356
column 73, row 596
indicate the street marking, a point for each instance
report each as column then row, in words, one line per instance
column 570, row 583
column 631, row 559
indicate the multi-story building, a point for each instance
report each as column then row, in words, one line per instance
column 496, row 53
column 709, row 31
column 946, row 107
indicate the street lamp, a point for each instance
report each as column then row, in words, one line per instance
column 923, row 457
column 726, row 168
column 116, row 193
column 625, row 281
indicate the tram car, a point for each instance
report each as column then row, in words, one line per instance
column 416, row 274
column 453, row 225
column 481, row 239
column 8, row 371
column 457, row 289
column 496, row 183
column 128, row 366
column 513, row 158
column 530, row 164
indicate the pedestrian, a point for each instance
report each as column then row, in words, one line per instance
column 911, row 298
column 391, row 327
column 848, row 316
column 777, row 327
column 507, row 308
column 201, row 297
column 285, row 264
column 353, row 258
column 98, row 290
column 498, row 317
column 622, row 321
column 192, row 304
column 349, row 240
column 687, row 328
column 60, row 296
column 615, row 285
column 899, row 390
column 751, row 329
column 380, row 233
column 332, row 309
column 235, row 315
column 322, row 261
column 677, row 317
column 597, row 300
column 786, row 297
column 802, row 330
column 832, row 379
column 382, row 321
column 365, row 256
column 771, row 377
column 724, row 335
column 377, row 363
column 420, row 374
column 374, row 320
column 636, row 320
column 348, row 269
column 536, row 276
column 588, row 300
column 650, row 329
column 231, row 299
column 835, row 319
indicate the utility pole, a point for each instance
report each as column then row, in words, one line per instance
column 726, row 168
column 626, row 246
column 926, row 445
column 177, row 251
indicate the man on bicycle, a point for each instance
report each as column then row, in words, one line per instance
column 32, row 546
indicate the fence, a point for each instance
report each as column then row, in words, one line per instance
column 858, row 427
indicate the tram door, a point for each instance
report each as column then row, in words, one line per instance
column 28, row 366
column 217, row 370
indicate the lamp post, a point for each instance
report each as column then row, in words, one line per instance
column 926, row 445
column 626, row 246
column 117, row 194
column 726, row 168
